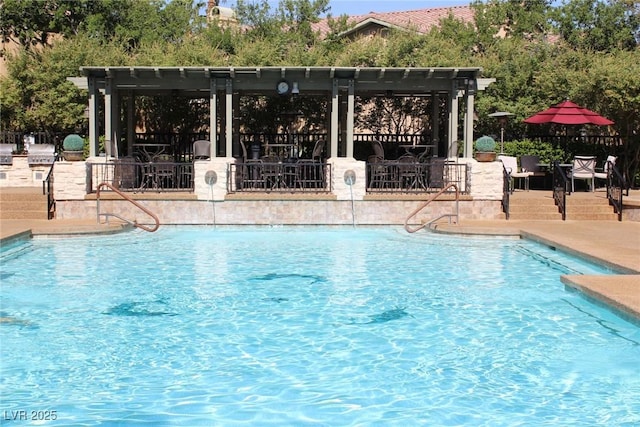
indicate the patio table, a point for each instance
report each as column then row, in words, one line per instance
column 417, row 148
column 151, row 150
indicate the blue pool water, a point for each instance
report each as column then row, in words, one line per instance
column 308, row 326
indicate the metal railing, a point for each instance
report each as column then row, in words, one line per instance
column 615, row 187
column 506, row 191
column 283, row 177
column 392, row 176
column 425, row 204
column 130, row 200
column 133, row 176
column 47, row 189
column 560, row 183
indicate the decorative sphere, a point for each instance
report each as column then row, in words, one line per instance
column 485, row 143
column 73, row 142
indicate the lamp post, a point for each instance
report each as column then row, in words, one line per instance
column 503, row 117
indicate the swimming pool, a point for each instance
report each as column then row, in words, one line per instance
column 308, row 326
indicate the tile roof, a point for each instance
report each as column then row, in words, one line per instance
column 421, row 19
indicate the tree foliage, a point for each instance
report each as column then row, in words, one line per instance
column 539, row 52
column 598, row 25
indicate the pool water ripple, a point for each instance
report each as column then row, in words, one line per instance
column 318, row 327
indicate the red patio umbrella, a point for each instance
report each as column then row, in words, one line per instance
column 568, row 113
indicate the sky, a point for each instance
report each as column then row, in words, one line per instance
column 361, row 7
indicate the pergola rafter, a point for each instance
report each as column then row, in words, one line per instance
column 338, row 83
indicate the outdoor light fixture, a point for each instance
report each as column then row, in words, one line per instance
column 503, row 117
column 295, row 90
column 471, row 87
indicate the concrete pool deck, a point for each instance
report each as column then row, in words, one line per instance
column 613, row 244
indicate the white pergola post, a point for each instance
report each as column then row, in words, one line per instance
column 93, row 117
column 131, row 124
column 213, row 116
column 350, row 116
column 453, row 118
column 435, row 121
column 229, row 118
column 468, row 125
column 108, row 110
column 334, row 119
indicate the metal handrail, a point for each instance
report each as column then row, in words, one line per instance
column 506, row 191
column 431, row 199
column 560, row 183
column 133, row 202
column 615, row 185
column 47, row 189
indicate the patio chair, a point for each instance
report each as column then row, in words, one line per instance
column 436, row 172
column 608, row 164
column 111, row 149
column 41, row 154
column 310, row 172
column 318, row 149
column 202, row 149
column 272, row 172
column 249, row 171
column 164, row 174
column 380, row 175
column 125, row 173
column 510, row 164
column 583, row 168
column 378, row 149
column 531, row 164
column 409, row 172
column 6, row 153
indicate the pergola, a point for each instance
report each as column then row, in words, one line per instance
column 223, row 85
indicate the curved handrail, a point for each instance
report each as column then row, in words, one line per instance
column 129, row 199
column 615, row 186
column 435, row 196
column 560, row 184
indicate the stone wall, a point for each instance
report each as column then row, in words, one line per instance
column 281, row 212
column 486, row 179
column 70, row 180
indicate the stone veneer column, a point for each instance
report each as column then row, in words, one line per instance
column 70, row 180
column 339, row 166
column 219, row 165
column 486, row 179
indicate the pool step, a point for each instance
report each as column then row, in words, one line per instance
column 530, row 206
column 23, row 203
column 539, row 205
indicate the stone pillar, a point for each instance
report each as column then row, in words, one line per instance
column 70, row 180
column 486, row 179
column 340, row 165
column 202, row 186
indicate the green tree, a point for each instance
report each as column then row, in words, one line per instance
column 497, row 19
column 595, row 25
column 32, row 22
